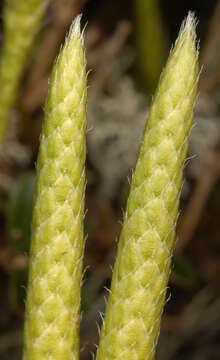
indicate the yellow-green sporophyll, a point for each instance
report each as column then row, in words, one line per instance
column 53, row 295
column 21, row 21
column 140, row 276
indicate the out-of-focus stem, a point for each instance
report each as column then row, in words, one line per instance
column 21, row 20
column 151, row 41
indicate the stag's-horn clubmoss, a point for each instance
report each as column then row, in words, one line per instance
column 53, row 295
column 140, row 276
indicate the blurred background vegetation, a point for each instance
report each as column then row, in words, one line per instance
column 127, row 44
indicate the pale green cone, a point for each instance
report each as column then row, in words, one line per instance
column 21, row 20
column 53, row 296
column 142, row 267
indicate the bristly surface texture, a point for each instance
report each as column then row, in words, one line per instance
column 131, row 326
column 53, row 296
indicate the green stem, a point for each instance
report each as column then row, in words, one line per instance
column 142, row 267
column 151, row 40
column 21, row 20
column 53, row 296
